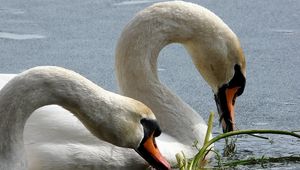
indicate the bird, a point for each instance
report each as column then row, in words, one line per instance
column 119, row 120
column 216, row 53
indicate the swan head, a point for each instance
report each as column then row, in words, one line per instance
column 147, row 147
column 219, row 58
column 131, row 124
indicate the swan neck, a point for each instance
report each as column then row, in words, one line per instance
column 34, row 89
column 136, row 70
column 139, row 46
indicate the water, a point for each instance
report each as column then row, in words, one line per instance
column 82, row 35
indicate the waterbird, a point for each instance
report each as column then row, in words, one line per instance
column 119, row 120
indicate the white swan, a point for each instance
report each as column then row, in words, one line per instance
column 119, row 120
column 216, row 53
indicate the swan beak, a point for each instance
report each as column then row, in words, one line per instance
column 225, row 100
column 149, row 151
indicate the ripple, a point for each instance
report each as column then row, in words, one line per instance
column 14, row 36
column 260, row 123
column 134, row 2
column 284, row 31
column 161, row 69
column 12, row 11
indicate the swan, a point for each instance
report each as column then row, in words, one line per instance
column 216, row 53
column 116, row 119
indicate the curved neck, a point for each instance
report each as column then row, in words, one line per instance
column 136, row 63
column 44, row 86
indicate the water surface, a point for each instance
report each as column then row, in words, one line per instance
column 82, row 35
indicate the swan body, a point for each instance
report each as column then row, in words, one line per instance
column 215, row 51
column 116, row 119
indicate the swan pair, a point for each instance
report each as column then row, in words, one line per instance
column 54, row 140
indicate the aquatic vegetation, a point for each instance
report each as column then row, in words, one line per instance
column 199, row 161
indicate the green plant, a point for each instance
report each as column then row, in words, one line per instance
column 195, row 162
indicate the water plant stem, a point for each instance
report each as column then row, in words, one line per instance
column 262, row 160
column 209, row 127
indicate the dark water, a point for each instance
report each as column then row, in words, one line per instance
column 81, row 35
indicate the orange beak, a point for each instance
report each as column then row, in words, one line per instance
column 225, row 100
column 149, row 151
column 230, row 98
